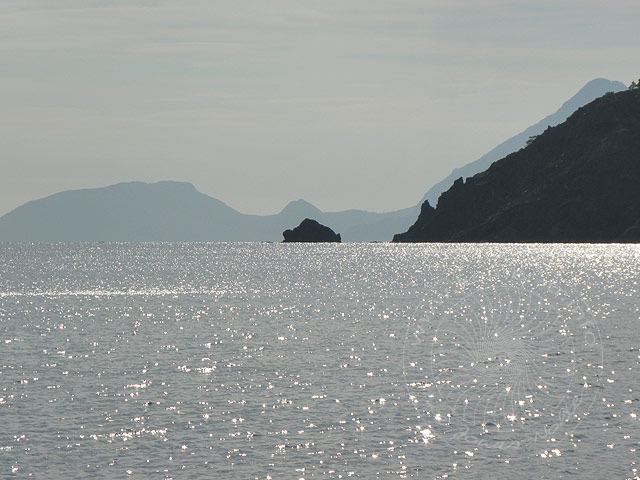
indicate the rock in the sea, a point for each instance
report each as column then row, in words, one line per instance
column 310, row 231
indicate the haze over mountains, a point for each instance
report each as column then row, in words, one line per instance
column 176, row 211
column 172, row 211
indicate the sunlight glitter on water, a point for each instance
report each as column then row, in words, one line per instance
column 205, row 360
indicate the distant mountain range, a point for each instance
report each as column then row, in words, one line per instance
column 576, row 182
column 175, row 211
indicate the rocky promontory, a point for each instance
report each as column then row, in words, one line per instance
column 310, row 231
column 576, row 182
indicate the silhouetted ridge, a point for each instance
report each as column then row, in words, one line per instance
column 576, row 182
column 592, row 90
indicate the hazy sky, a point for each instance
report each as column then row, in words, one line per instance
column 347, row 104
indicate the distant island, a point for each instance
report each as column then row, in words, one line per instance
column 576, row 182
column 310, row 231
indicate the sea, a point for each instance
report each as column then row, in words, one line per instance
column 299, row 361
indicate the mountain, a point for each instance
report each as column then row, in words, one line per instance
column 367, row 226
column 592, row 90
column 132, row 211
column 175, row 211
column 576, row 182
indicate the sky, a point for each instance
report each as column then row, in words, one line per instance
column 344, row 103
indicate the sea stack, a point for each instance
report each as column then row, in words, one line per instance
column 310, row 231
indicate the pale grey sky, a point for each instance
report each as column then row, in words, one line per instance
column 347, row 104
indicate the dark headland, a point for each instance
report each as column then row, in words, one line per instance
column 576, row 182
column 310, row 231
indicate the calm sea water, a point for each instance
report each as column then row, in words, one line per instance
column 319, row 361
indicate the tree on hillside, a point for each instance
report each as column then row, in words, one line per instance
column 531, row 139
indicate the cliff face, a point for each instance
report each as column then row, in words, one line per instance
column 576, row 182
